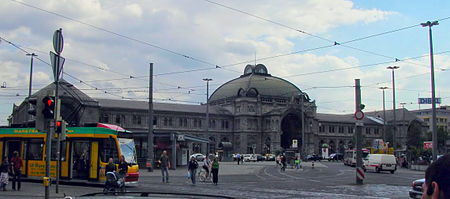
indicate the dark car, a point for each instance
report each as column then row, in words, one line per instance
column 259, row 157
column 416, row 190
column 335, row 157
column 313, row 157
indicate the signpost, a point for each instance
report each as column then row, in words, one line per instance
column 428, row 100
column 359, row 115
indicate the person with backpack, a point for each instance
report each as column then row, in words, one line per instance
column 215, row 170
column 192, row 169
column 17, row 165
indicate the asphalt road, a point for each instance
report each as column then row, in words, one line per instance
column 260, row 180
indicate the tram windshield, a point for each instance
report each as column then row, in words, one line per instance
column 128, row 150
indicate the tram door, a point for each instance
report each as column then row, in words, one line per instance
column 80, row 159
column 10, row 147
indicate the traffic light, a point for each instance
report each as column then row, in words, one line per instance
column 35, row 109
column 362, row 106
column 61, row 129
column 49, row 107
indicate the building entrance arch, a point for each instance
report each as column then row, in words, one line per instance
column 290, row 130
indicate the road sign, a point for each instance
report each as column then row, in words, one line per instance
column 58, row 41
column 359, row 115
column 427, row 145
column 54, row 59
column 428, row 100
column 359, row 123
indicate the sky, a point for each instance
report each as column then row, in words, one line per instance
column 321, row 46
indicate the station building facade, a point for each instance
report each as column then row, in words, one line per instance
column 253, row 113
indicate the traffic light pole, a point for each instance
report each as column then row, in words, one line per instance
column 48, row 149
column 359, row 174
column 57, row 114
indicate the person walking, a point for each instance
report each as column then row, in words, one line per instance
column 207, row 165
column 165, row 164
column 283, row 163
column 192, row 169
column 17, row 165
column 238, row 158
column 297, row 162
column 215, row 170
column 4, row 177
column 123, row 167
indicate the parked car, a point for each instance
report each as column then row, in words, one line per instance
column 380, row 162
column 313, row 157
column 416, row 190
column 259, row 157
column 270, row 157
column 336, row 157
column 198, row 156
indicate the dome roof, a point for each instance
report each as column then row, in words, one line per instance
column 255, row 81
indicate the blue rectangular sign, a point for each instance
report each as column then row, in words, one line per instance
column 428, row 100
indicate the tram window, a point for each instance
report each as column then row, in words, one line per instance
column 35, row 149
column 63, row 151
column 108, row 149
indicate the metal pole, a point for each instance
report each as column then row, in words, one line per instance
column 56, row 115
column 207, row 105
column 384, row 114
column 303, row 126
column 48, row 146
column 31, row 80
column 150, row 152
column 394, row 122
column 433, row 96
column 358, row 131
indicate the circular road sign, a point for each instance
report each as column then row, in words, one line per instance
column 58, row 41
column 359, row 115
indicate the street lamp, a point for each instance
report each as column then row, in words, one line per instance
column 207, row 103
column 433, row 97
column 393, row 104
column 384, row 114
column 31, row 78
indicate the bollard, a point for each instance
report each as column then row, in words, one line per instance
column 46, row 181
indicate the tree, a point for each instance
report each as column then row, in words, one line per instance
column 414, row 138
column 442, row 136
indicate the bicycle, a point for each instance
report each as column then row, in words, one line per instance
column 202, row 176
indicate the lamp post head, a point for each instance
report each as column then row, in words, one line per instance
column 383, row 87
column 429, row 23
column 393, row 67
column 31, row 54
column 207, row 79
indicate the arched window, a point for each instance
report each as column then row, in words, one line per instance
column 252, row 92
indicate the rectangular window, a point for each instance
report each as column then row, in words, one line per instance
column 331, row 129
column 139, row 119
column 180, row 122
column 117, row 119
column 195, row 123
column 237, row 123
column 377, row 131
column 104, row 118
column 35, row 149
column 170, row 121
column 350, row 129
column 321, row 128
column 63, row 151
column 166, row 121
column 341, row 129
column 108, row 149
column 226, row 124
column 368, row 131
column 267, row 123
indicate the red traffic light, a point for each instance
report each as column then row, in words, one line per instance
column 58, row 123
column 49, row 106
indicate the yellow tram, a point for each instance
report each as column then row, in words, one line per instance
column 84, row 153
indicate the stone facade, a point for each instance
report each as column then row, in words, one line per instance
column 256, row 112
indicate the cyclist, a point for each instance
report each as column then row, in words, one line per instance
column 207, row 165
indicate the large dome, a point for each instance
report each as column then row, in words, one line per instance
column 255, row 81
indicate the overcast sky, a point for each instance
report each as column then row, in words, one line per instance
column 106, row 42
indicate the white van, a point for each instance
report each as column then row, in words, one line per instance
column 380, row 162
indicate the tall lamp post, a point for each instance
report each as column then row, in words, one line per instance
column 207, row 106
column 433, row 97
column 384, row 113
column 31, row 77
column 302, row 101
column 394, row 122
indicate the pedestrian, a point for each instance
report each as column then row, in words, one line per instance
column 207, row 165
column 437, row 179
column 297, row 162
column 192, row 169
column 238, row 158
column 283, row 163
column 4, row 177
column 277, row 160
column 17, row 165
column 123, row 167
column 165, row 164
column 215, row 170
column 242, row 159
column 110, row 167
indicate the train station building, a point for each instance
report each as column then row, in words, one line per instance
column 253, row 113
